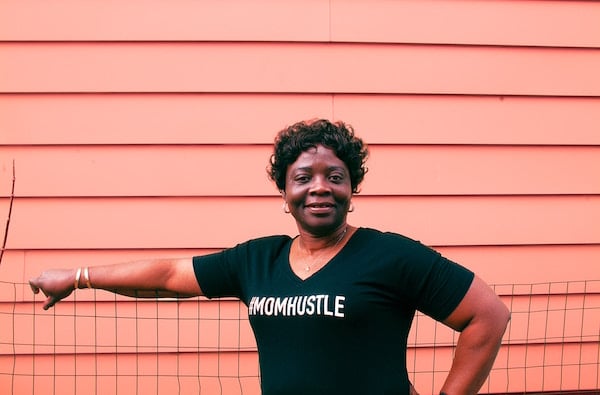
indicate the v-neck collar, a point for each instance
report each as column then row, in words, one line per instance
column 325, row 268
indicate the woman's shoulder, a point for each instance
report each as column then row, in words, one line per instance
column 260, row 248
column 392, row 243
column 376, row 235
column 270, row 240
column 265, row 243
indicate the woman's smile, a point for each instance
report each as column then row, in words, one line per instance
column 320, row 208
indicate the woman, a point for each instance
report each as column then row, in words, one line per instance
column 332, row 307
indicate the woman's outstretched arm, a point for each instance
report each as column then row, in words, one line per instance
column 148, row 278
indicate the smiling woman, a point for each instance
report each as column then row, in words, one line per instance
column 317, row 187
column 336, row 302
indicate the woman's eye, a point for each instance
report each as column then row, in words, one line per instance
column 336, row 178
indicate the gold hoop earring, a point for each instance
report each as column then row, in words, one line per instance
column 286, row 208
column 351, row 208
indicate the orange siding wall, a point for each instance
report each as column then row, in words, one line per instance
column 143, row 129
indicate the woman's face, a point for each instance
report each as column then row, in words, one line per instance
column 318, row 190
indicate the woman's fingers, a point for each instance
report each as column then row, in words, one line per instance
column 34, row 287
column 50, row 302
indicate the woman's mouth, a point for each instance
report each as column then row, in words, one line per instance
column 320, row 208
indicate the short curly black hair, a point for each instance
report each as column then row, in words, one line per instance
column 299, row 137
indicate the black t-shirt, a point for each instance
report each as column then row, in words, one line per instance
column 344, row 329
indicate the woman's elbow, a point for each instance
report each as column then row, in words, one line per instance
column 501, row 317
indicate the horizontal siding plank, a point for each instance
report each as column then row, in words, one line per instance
column 531, row 23
column 175, row 20
column 519, row 265
column 451, row 119
column 393, row 170
column 71, row 223
column 255, row 118
column 530, row 264
column 417, row 21
column 468, row 170
column 297, row 67
column 153, row 118
column 138, row 170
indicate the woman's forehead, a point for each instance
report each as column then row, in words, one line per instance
column 318, row 152
column 319, row 156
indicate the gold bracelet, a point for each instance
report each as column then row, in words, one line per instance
column 86, row 277
column 77, row 275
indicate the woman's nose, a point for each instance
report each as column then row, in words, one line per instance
column 319, row 185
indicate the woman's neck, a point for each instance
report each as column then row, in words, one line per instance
column 312, row 244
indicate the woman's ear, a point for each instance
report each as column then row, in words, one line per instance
column 285, row 208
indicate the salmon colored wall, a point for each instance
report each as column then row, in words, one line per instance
column 143, row 129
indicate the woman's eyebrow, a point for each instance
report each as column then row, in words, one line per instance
column 303, row 168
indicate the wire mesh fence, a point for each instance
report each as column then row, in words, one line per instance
column 107, row 344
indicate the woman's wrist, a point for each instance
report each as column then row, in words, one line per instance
column 77, row 277
column 82, row 277
column 86, row 277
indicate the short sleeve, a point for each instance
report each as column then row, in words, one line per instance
column 218, row 273
column 230, row 272
column 444, row 284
